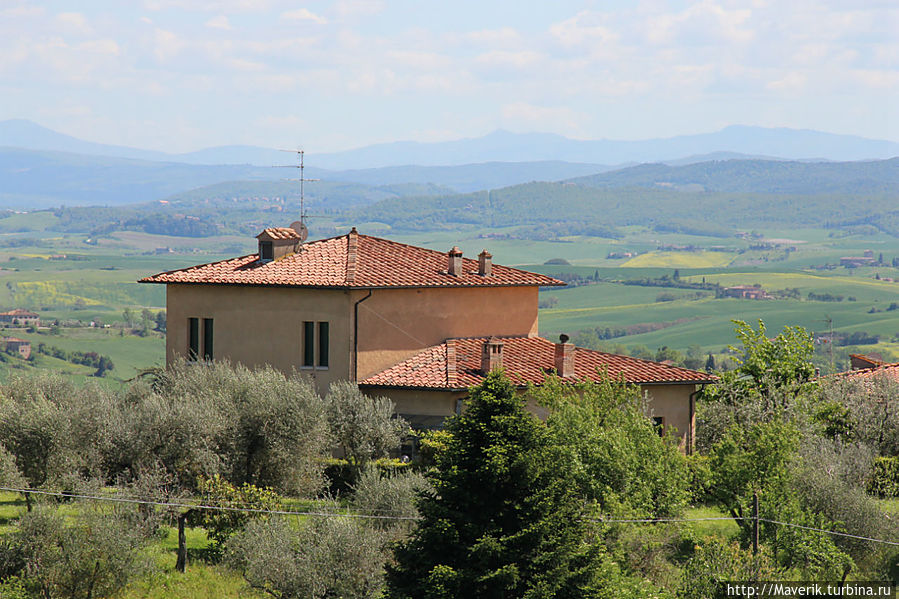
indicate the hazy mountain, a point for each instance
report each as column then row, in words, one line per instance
column 499, row 146
column 38, row 179
column 758, row 176
column 732, row 194
column 514, row 147
column 468, row 177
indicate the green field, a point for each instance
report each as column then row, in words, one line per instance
column 63, row 277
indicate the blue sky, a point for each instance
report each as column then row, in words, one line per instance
column 180, row 75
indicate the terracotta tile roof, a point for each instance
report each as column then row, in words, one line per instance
column 862, row 374
column 280, row 233
column 525, row 360
column 18, row 312
column 352, row 261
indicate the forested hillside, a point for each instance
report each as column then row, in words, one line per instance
column 758, row 176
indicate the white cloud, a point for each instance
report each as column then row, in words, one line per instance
column 219, row 22
column 359, row 8
column 303, row 14
column 74, row 21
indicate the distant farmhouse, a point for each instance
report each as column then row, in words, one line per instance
column 857, row 261
column 20, row 317
column 415, row 325
column 746, row 292
column 18, row 346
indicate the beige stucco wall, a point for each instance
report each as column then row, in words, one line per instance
column 262, row 325
column 395, row 323
column 672, row 402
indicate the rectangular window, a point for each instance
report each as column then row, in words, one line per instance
column 659, row 423
column 266, row 251
column 207, row 338
column 193, row 345
column 309, row 344
column 323, row 344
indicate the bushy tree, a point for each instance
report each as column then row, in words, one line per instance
column 324, row 557
column 389, row 495
column 92, row 554
column 504, row 518
column 35, row 426
column 365, row 428
column 620, row 461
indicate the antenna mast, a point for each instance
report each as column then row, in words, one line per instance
column 300, row 225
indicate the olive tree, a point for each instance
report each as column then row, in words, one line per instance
column 365, row 428
column 325, row 556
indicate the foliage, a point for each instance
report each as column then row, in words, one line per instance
column 259, row 426
column 869, row 410
column 716, row 562
column 504, row 518
column 885, row 479
column 620, row 461
column 220, row 525
column 323, row 557
column 780, row 362
column 390, row 495
column 365, row 428
column 94, row 554
column 34, row 426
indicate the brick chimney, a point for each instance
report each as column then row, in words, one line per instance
column 485, row 263
column 491, row 355
column 564, row 357
column 455, row 262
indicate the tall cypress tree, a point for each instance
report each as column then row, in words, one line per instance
column 504, row 520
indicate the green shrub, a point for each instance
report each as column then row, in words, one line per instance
column 700, row 477
column 220, row 525
column 342, row 475
column 885, row 478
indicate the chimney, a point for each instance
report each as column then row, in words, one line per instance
column 455, row 262
column 491, row 355
column 564, row 357
column 485, row 263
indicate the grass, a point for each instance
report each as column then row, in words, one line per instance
column 129, row 353
column 724, row 529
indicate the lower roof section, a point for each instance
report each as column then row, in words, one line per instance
column 455, row 364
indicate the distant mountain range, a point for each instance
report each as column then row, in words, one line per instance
column 499, row 146
column 41, row 168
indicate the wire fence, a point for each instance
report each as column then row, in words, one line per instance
column 346, row 513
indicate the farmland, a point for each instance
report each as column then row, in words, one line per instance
column 77, row 280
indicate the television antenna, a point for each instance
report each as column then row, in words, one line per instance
column 300, row 225
column 829, row 321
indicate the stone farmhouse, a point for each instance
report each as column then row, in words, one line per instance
column 413, row 324
column 20, row 317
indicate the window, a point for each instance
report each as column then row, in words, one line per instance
column 323, row 344
column 313, row 356
column 308, row 344
column 207, row 338
column 266, row 251
column 659, row 423
column 193, row 347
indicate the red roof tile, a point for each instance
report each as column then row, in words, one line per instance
column 525, row 360
column 279, row 233
column 890, row 371
column 332, row 262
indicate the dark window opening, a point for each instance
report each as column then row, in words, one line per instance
column 193, row 346
column 323, row 344
column 659, row 423
column 308, row 344
column 266, row 252
column 207, row 338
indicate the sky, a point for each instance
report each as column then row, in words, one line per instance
column 180, row 75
